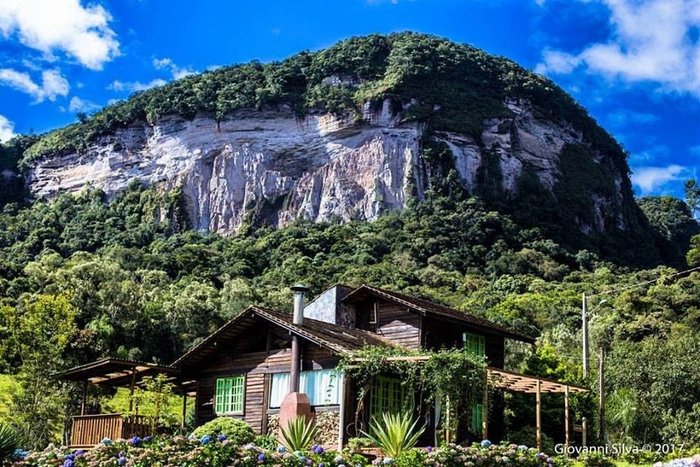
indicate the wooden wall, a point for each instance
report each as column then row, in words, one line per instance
column 398, row 324
column 254, row 365
column 440, row 334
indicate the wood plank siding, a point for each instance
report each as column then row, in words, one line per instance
column 255, row 366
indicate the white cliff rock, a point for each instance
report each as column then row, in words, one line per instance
column 283, row 168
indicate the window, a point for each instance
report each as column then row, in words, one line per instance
column 229, row 395
column 322, row 387
column 477, row 417
column 388, row 395
column 475, row 344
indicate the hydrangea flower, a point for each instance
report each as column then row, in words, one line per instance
column 135, row 441
column 106, row 442
column 206, row 439
column 222, row 438
column 486, row 443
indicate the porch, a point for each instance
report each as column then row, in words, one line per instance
column 86, row 429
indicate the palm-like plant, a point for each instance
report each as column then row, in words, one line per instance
column 9, row 441
column 298, row 435
column 394, row 433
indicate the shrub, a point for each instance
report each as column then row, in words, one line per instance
column 9, row 441
column 394, row 433
column 298, row 435
column 237, row 431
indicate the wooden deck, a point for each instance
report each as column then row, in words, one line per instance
column 89, row 430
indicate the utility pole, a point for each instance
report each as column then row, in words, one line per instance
column 601, row 393
column 584, row 326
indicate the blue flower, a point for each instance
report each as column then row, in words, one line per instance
column 486, row 443
column 121, row 460
column 281, row 449
column 68, row 463
column 261, row 457
column 79, row 452
column 206, row 439
column 135, row 441
column 222, row 438
column 20, row 453
column 106, row 441
column 317, row 449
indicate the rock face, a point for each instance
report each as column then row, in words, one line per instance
column 272, row 167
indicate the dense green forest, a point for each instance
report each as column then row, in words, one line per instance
column 83, row 278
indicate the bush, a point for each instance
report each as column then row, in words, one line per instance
column 237, row 431
column 9, row 442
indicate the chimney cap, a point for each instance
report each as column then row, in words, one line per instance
column 299, row 287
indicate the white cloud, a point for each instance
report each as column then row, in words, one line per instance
column 651, row 41
column 7, row 129
column 81, row 32
column 52, row 83
column 648, row 179
column 77, row 104
column 168, row 64
column 134, row 86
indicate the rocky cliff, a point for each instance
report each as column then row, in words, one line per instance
column 277, row 168
column 349, row 133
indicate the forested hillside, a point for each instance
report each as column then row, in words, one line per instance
column 83, row 276
column 127, row 278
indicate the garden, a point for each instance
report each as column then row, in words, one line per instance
column 231, row 442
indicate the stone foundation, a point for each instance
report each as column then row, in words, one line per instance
column 327, row 423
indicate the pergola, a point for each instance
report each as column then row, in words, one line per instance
column 113, row 372
column 516, row 382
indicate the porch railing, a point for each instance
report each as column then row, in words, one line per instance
column 89, row 430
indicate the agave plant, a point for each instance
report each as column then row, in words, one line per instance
column 9, row 442
column 394, row 434
column 298, row 435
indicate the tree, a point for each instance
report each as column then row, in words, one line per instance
column 692, row 195
column 40, row 329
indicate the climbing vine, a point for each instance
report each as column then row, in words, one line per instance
column 453, row 378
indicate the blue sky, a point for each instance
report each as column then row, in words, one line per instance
column 634, row 64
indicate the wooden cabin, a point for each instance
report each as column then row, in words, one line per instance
column 243, row 369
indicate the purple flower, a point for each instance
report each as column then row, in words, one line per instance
column 261, row 457
column 121, row 460
column 428, row 449
column 135, row 441
column 68, row 463
column 317, row 449
column 222, row 438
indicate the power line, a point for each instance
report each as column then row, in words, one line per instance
column 639, row 284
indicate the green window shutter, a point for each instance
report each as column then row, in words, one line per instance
column 477, row 417
column 475, row 344
column 230, row 395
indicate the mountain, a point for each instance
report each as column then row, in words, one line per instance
column 353, row 131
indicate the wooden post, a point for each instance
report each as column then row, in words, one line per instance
column 566, row 421
column 131, row 389
column 448, row 434
column 584, row 332
column 584, row 428
column 83, row 403
column 183, row 422
column 485, row 409
column 538, row 401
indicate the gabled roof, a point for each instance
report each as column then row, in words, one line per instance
column 337, row 339
column 428, row 308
